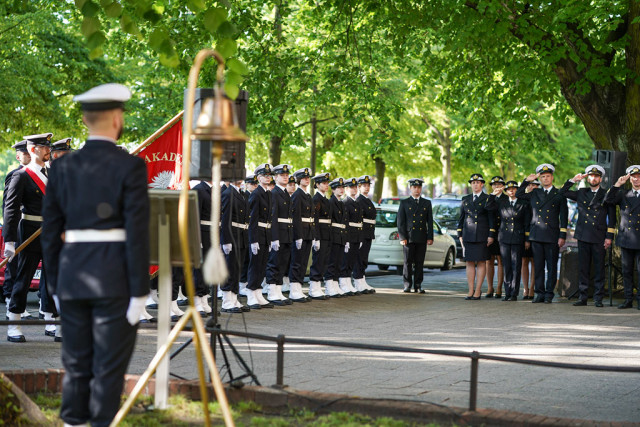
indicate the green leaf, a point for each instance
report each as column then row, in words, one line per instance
column 234, row 78
column 227, row 48
column 95, row 40
column 231, row 89
column 113, row 10
column 227, row 30
column 152, row 16
column 90, row 9
column 157, row 37
column 80, row 3
column 105, row 3
column 89, row 26
column 237, row 66
column 213, row 18
column 196, row 5
column 170, row 61
column 127, row 25
column 96, row 53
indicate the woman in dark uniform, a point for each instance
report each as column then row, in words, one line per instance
column 496, row 183
column 527, row 258
column 476, row 231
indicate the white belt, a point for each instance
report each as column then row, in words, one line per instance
column 310, row 220
column 369, row 221
column 285, row 220
column 324, row 221
column 203, row 222
column 355, row 224
column 264, row 224
column 32, row 217
column 88, row 235
column 238, row 225
column 335, row 224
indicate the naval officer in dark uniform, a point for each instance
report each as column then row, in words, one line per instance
column 60, row 148
column 259, row 237
column 548, row 229
column 497, row 185
column 476, row 231
column 23, row 218
column 594, row 231
column 368, row 234
column 99, row 271
column 322, row 243
column 354, row 236
column 628, row 238
column 250, row 184
column 201, row 300
column 23, row 157
column 515, row 220
column 304, row 232
column 415, row 229
column 338, row 239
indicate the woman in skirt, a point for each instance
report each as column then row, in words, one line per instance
column 476, row 232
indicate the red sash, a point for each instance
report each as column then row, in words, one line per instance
column 34, row 176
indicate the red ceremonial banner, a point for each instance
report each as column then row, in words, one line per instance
column 163, row 158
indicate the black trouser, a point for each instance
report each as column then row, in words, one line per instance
column 350, row 259
column 10, row 277
column 201, row 286
column 511, row 255
column 413, row 269
column 257, row 267
column 299, row 262
column 320, row 261
column 244, row 272
column 96, row 350
column 27, row 265
column 629, row 266
column 335, row 258
column 278, row 264
column 591, row 254
column 363, row 259
column 545, row 254
column 234, row 263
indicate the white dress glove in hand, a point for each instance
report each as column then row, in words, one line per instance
column 360, row 245
column 346, row 248
column 9, row 249
column 136, row 305
column 316, row 245
column 255, row 247
column 227, row 248
column 275, row 245
column 299, row 244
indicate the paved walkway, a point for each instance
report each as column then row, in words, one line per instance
column 439, row 319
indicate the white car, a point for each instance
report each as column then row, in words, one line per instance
column 386, row 249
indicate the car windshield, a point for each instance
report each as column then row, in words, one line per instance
column 386, row 218
column 446, row 211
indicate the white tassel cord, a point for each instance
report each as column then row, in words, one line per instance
column 214, row 268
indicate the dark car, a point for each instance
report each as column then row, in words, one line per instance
column 446, row 210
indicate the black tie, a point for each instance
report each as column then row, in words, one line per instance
column 475, row 197
column 44, row 171
column 513, row 203
column 417, row 201
column 546, row 193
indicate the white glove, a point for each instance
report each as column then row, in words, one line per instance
column 360, row 245
column 299, row 243
column 255, row 247
column 136, row 305
column 9, row 249
column 316, row 245
column 346, row 248
column 227, row 248
column 56, row 301
column 275, row 245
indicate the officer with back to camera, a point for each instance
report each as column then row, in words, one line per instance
column 95, row 238
column 594, row 231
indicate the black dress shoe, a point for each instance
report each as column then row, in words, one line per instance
column 152, row 306
column 407, row 290
column 547, row 300
column 57, row 339
column 255, row 306
column 320, row 297
column 505, row 298
column 626, row 304
column 245, row 308
column 420, row 291
column 468, row 298
column 513, row 298
column 599, row 304
column 475, row 298
column 183, row 302
column 19, row 338
column 231, row 310
column 175, row 318
column 489, row 295
column 267, row 305
column 537, row 300
column 50, row 333
column 277, row 302
column 299, row 300
column 287, row 301
column 498, row 296
column 579, row 303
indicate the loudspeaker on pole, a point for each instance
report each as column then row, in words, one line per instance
column 614, row 164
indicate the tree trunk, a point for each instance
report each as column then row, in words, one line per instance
column 314, row 132
column 275, row 150
column 380, row 171
column 445, row 158
column 392, row 182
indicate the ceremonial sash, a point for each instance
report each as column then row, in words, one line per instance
column 41, row 185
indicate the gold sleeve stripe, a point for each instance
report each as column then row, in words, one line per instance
column 563, row 230
column 526, row 233
column 459, row 229
column 491, row 229
column 611, row 230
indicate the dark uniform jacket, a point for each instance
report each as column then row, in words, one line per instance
column 415, row 220
column 476, row 223
column 204, row 207
column 629, row 228
column 97, row 187
column 354, row 219
column 22, row 195
column 234, row 211
column 7, row 180
column 549, row 214
column 496, row 222
column 596, row 221
column 338, row 216
column 368, row 213
column 302, row 207
column 322, row 211
column 515, row 221
column 259, row 213
column 281, row 209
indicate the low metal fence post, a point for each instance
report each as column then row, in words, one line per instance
column 280, row 362
column 473, row 386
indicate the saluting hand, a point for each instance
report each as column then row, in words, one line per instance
column 579, row 177
column 622, row 180
column 497, row 192
column 532, row 177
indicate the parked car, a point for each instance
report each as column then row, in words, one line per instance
column 446, row 210
column 386, row 249
column 35, row 282
column 391, row 200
